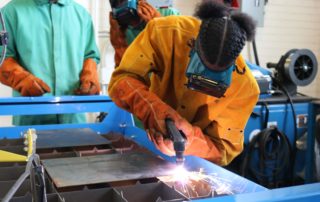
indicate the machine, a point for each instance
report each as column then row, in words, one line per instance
column 111, row 160
column 107, row 160
column 279, row 135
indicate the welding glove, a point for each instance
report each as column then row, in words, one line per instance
column 197, row 143
column 89, row 79
column 146, row 12
column 15, row 76
column 134, row 96
column 117, row 39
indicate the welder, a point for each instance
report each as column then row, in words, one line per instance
column 128, row 18
column 190, row 70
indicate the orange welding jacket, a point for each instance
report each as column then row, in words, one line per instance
column 159, row 57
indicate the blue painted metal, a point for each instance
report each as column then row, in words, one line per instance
column 313, row 112
column 121, row 121
column 281, row 116
column 117, row 120
column 303, row 193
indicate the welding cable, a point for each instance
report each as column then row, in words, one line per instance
column 255, row 52
column 295, row 127
column 273, row 148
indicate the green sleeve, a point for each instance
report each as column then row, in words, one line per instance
column 91, row 50
column 168, row 11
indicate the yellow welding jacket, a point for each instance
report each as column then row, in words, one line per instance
column 159, row 57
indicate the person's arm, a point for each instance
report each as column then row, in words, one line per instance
column 129, row 85
column 12, row 73
column 118, row 34
column 89, row 79
column 168, row 11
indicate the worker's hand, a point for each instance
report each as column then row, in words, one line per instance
column 197, row 143
column 15, row 76
column 165, row 144
column 117, row 39
column 89, row 79
column 32, row 86
column 146, row 12
column 134, row 96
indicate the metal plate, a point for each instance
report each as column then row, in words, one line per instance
column 69, row 138
column 67, row 172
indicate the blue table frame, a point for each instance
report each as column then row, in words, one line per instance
column 121, row 121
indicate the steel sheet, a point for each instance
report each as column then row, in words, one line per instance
column 69, row 138
column 67, row 172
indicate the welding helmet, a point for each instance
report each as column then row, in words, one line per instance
column 204, row 79
column 221, row 38
column 124, row 11
column 3, row 39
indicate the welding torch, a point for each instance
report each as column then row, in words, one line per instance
column 178, row 138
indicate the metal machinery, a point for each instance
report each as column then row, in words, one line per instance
column 108, row 160
column 280, row 136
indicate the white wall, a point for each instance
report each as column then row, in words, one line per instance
column 290, row 24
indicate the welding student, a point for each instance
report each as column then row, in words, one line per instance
column 123, row 32
column 51, row 51
column 151, row 81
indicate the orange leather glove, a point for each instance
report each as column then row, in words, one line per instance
column 146, row 12
column 117, row 39
column 197, row 143
column 15, row 76
column 89, row 79
column 134, row 96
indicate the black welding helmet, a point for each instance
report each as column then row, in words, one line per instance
column 124, row 11
column 221, row 38
column 3, row 39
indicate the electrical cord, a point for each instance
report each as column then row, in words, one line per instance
column 273, row 148
column 255, row 52
column 294, row 150
column 272, row 163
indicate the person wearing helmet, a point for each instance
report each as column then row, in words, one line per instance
column 126, row 26
column 190, row 70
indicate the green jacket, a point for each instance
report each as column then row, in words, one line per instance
column 51, row 41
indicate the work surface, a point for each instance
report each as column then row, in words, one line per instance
column 105, row 168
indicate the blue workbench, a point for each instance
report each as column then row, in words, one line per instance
column 120, row 121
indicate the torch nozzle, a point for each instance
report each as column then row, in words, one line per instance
column 178, row 139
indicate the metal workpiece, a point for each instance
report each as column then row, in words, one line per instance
column 66, row 172
column 75, row 137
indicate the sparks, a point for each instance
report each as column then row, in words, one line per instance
column 197, row 184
